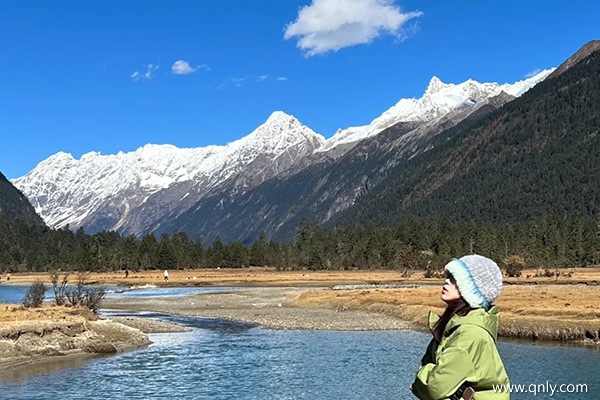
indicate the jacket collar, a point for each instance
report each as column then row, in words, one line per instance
column 487, row 320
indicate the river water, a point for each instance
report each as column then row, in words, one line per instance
column 227, row 360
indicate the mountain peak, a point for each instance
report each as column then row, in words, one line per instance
column 277, row 117
column 57, row 159
column 280, row 125
column 61, row 155
column 582, row 53
column 435, row 85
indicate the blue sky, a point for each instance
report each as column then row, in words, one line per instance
column 81, row 76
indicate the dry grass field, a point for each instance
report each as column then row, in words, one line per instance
column 11, row 314
column 547, row 312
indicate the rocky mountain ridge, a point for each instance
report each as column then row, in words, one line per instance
column 14, row 206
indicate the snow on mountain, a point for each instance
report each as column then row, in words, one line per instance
column 65, row 190
column 439, row 99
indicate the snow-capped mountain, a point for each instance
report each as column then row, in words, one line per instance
column 439, row 99
column 142, row 191
column 108, row 191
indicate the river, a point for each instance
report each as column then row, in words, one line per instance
column 227, row 360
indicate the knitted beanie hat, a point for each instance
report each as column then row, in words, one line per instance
column 478, row 279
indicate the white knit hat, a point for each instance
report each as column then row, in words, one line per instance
column 478, row 279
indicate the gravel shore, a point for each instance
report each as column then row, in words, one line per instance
column 148, row 325
column 267, row 306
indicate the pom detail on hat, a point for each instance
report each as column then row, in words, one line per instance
column 478, row 279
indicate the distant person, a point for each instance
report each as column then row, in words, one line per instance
column 462, row 356
column 7, row 277
column 166, row 274
column 126, row 273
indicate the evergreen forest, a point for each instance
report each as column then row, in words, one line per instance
column 555, row 241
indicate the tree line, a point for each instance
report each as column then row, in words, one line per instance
column 551, row 241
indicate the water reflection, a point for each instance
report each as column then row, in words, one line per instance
column 45, row 365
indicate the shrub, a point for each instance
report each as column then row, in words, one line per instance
column 85, row 297
column 35, row 295
column 59, row 287
column 93, row 297
column 433, row 271
column 406, row 273
column 514, row 266
column 545, row 273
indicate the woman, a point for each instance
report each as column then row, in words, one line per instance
column 463, row 353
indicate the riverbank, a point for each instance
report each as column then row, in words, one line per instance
column 39, row 338
column 560, row 305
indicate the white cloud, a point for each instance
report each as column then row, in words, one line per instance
column 261, row 78
column 330, row 25
column 182, row 67
column 149, row 74
column 281, row 79
column 533, row 73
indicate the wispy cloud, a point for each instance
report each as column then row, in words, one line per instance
column 149, row 74
column 150, row 71
column 533, row 73
column 265, row 77
column 237, row 82
column 330, row 25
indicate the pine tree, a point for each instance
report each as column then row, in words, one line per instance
column 166, row 253
column 258, row 251
column 148, row 252
column 216, row 253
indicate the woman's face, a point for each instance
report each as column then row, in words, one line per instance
column 450, row 291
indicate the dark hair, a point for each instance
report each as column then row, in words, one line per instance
column 458, row 307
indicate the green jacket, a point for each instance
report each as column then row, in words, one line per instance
column 467, row 353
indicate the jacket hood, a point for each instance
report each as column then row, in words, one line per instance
column 487, row 320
